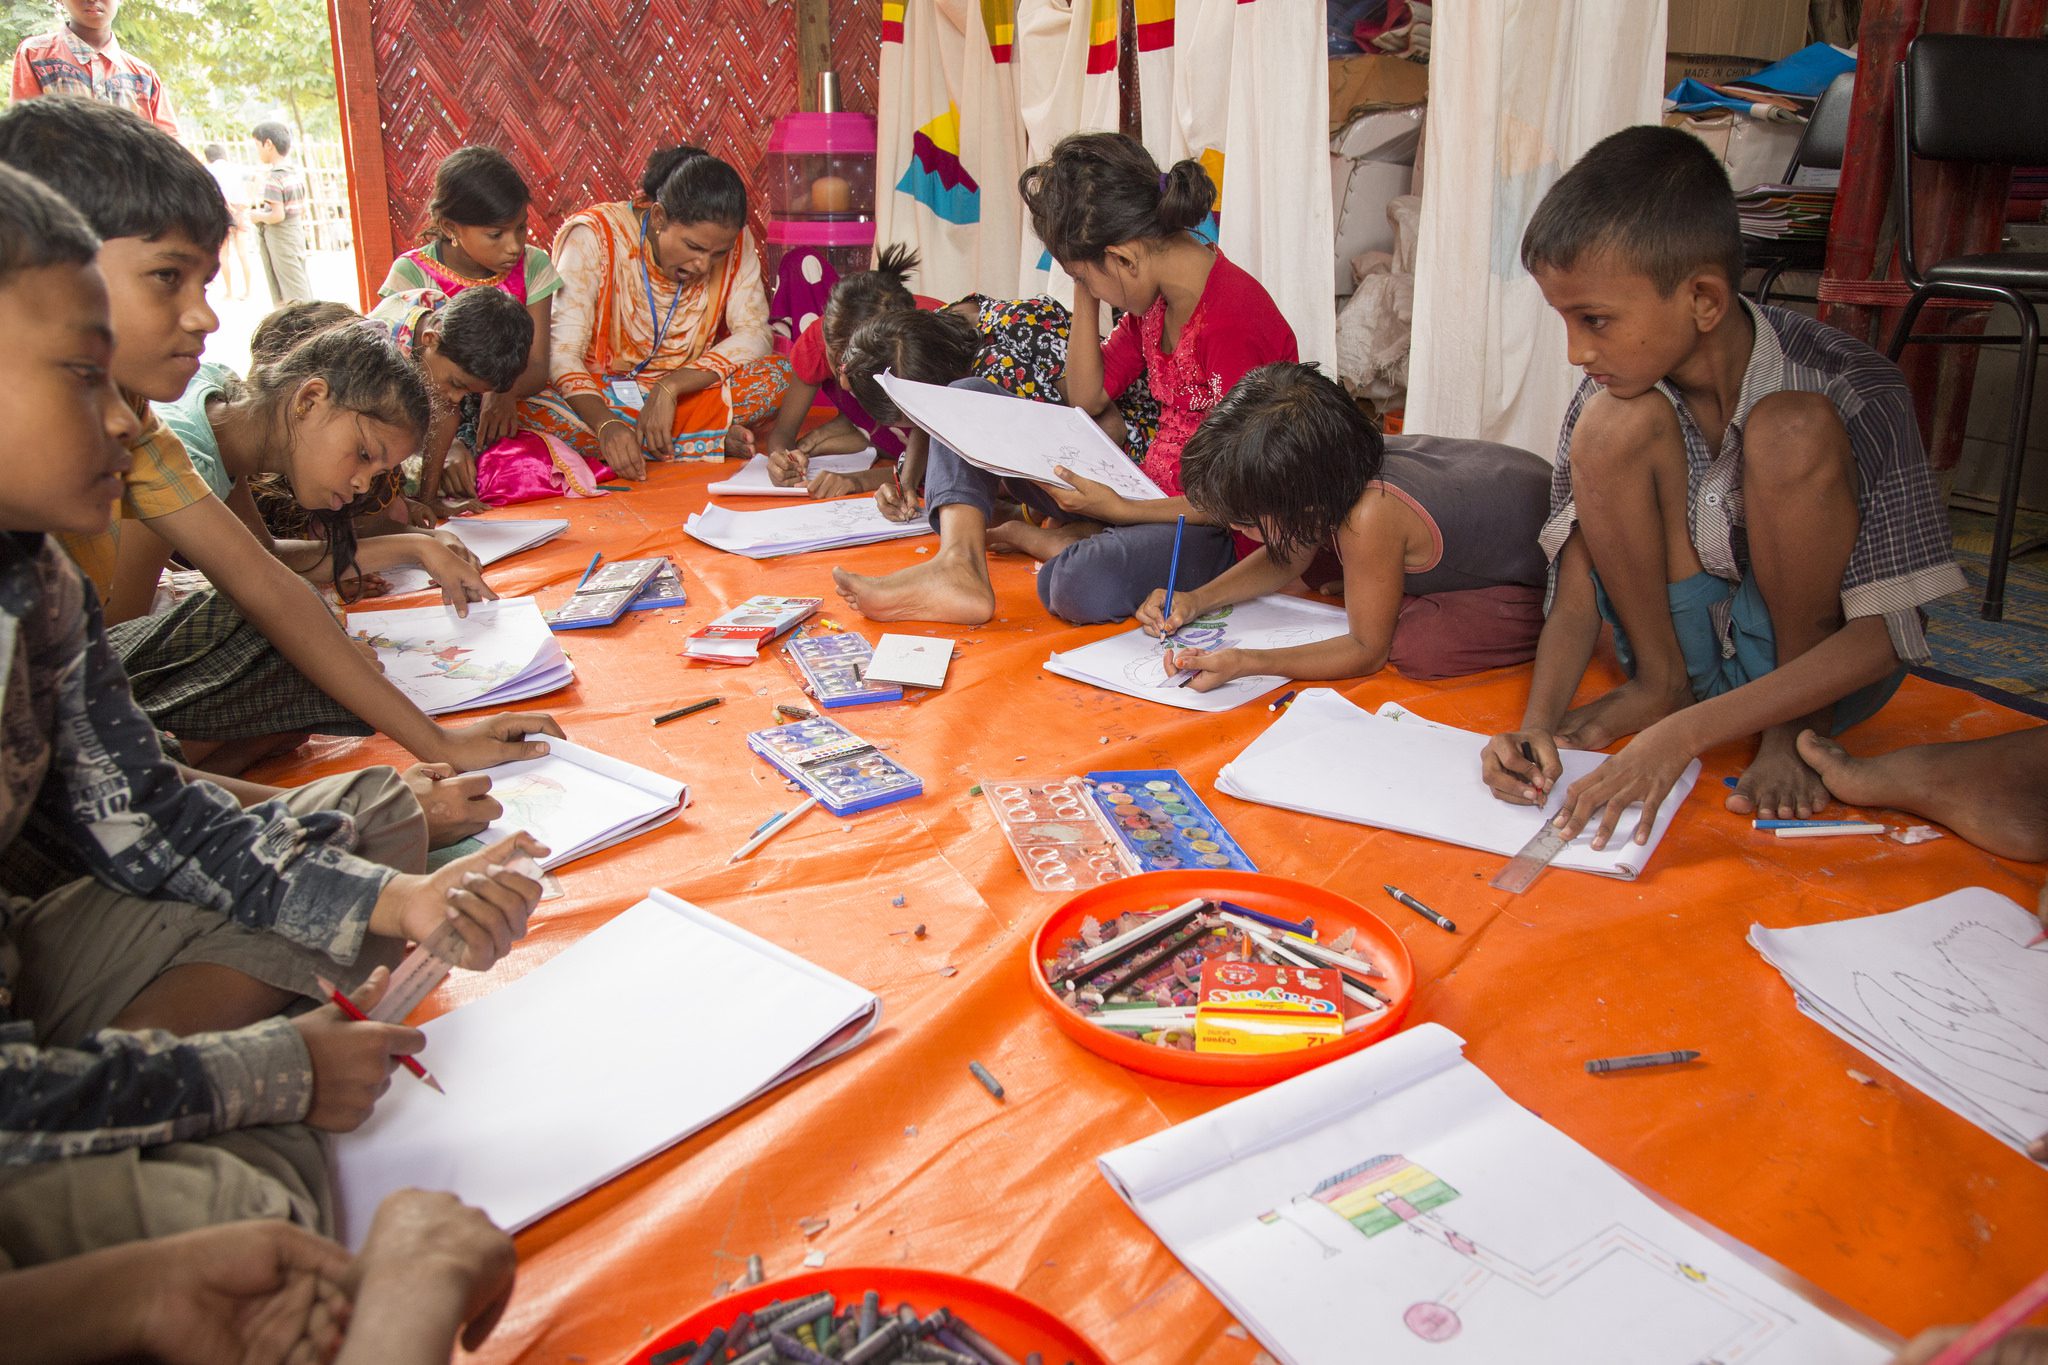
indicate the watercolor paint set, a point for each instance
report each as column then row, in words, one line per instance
column 1060, row 836
column 1164, row 823
column 844, row 771
column 833, row 666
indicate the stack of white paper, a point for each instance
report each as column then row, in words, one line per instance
column 1326, row 757
column 501, row 652
column 831, row 525
column 1393, row 1205
column 577, row 801
column 1946, row 995
column 488, row 539
column 1134, row 663
column 753, row 482
column 1016, row 438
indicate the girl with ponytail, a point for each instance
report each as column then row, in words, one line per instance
column 1193, row 324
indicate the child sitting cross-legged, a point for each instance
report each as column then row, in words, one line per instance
column 469, row 346
column 149, row 1083
column 1740, row 493
column 1437, row 537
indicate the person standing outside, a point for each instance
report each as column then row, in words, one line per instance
column 82, row 57
column 280, row 216
column 233, row 179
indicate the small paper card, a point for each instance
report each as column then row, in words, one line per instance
column 910, row 661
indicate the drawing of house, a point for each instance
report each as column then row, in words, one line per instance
column 1383, row 1193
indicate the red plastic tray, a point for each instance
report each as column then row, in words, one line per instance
column 1016, row 1324
column 1280, row 896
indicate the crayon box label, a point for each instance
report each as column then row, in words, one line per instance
column 1246, row 1008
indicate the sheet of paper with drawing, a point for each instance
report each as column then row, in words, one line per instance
column 648, row 1029
column 489, row 539
column 577, row 801
column 1394, row 1205
column 753, row 482
column 1017, row 438
column 501, row 652
column 1133, row 663
column 1946, row 995
column 1395, row 771
column 833, row 524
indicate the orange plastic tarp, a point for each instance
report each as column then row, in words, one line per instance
column 1873, row 1191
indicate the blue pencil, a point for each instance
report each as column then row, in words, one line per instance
column 1180, row 527
column 591, row 570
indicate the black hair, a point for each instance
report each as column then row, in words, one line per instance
column 1655, row 197
column 38, row 229
column 1099, row 190
column 910, row 343
column 274, row 133
column 1286, row 451
column 284, row 328
column 476, row 187
column 857, row 298
column 488, row 333
column 128, row 177
column 693, row 186
column 366, row 372
column 216, row 152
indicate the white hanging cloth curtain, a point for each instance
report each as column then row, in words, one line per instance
column 1065, row 67
column 1246, row 94
column 951, row 144
column 1154, row 21
column 1518, row 91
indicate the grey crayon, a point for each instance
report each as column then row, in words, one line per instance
column 1600, row 1064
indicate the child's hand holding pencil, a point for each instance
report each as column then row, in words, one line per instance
column 487, row 895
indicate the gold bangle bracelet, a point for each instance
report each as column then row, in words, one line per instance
column 608, row 421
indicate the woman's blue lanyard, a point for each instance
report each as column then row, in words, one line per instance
column 647, row 281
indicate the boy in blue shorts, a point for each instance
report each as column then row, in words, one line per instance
column 1740, row 492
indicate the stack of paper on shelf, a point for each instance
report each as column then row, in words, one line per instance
column 645, row 1031
column 501, row 652
column 831, row 525
column 1397, row 771
column 1950, row 996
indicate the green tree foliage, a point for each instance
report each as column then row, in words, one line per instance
column 228, row 63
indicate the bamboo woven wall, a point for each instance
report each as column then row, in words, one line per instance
column 577, row 92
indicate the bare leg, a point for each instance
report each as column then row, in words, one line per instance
column 233, row 757
column 1799, row 489
column 1993, row 792
column 202, row 997
column 952, row 587
column 1628, row 474
column 1023, row 536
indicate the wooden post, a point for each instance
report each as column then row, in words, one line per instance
column 362, row 143
column 813, row 50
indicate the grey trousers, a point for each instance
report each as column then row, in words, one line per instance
column 283, row 249
column 1105, row 577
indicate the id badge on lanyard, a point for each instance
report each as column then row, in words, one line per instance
column 625, row 390
column 625, row 393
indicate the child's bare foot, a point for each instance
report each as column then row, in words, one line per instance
column 1629, row 709
column 1040, row 542
column 1993, row 792
column 1778, row 785
column 953, row 588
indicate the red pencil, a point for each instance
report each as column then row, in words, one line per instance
column 1996, row 1324
column 348, row 1007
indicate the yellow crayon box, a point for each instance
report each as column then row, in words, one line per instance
column 1254, row 1007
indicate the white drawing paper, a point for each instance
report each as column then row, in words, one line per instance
column 1134, row 663
column 910, row 661
column 650, row 1028
column 1395, row 1206
column 753, row 482
column 833, row 524
column 489, row 539
column 1326, row 757
column 578, row 801
column 1017, row 438
column 1946, row 995
column 501, row 652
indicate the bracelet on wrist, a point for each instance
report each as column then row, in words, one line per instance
column 609, row 421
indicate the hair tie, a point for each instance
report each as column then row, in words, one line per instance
column 1162, row 182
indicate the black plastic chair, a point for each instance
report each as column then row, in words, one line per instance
column 1983, row 100
column 1822, row 146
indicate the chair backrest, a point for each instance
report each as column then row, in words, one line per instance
column 1826, row 139
column 1978, row 99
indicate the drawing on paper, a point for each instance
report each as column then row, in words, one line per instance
column 433, row 658
column 1392, row 1192
column 531, row 801
column 1209, row 633
column 1959, row 1015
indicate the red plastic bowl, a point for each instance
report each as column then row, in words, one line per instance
column 1016, row 1324
column 1281, row 896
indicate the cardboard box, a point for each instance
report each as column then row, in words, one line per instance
column 1374, row 82
column 1761, row 29
column 1707, row 67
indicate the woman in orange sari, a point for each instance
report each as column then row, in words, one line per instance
column 660, row 342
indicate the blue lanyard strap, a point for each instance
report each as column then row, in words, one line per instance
column 647, row 282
